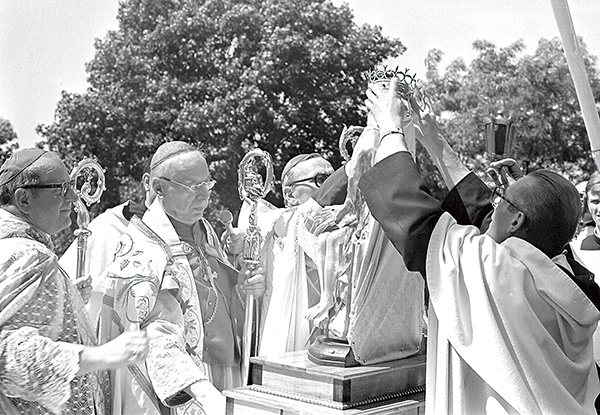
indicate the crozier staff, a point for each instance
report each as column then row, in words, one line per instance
column 48, row 355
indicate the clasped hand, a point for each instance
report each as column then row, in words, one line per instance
column 84, row 285
column 386, row 108
column 252, row 281
column 498, row 172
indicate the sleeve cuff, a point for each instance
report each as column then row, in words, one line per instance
column 171, row 370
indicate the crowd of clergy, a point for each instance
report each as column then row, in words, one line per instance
column 495, row 284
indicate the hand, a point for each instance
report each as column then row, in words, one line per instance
column 424, row 117
column 128, row 348
column 319, row 314
column 387, row 108
column 212, row 401
column 498, row 169
column 323, row 220
column 252, row 281
column 234, row 242
column 84, row 285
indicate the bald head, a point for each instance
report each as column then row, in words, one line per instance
column 552, row 208
column 303, row 165
column 542, row 208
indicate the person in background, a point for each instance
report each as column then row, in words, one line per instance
column 302, row 176
column 291, row 276
column 49, row 361
column 586, row 246
column 586, row 216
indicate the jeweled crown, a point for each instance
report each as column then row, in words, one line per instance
column 407, row 83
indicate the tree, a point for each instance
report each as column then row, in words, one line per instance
column 228, row 74
column 536, row 91
column 8, row 139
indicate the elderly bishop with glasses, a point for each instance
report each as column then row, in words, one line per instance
column 172, row 279
column 49, row 360
column 511, row 318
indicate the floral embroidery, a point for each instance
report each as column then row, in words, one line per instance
column 40, row 344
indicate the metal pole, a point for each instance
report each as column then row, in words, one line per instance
column 579, row 75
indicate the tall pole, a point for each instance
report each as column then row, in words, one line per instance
column 252, row 187
column 580, row 78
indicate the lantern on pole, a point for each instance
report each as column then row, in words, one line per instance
column 499, row 136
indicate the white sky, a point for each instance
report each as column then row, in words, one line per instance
column 44, row 44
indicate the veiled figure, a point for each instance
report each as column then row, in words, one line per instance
column 378, row 304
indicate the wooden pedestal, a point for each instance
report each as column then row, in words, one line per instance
column 291, row 384
column 244, row 401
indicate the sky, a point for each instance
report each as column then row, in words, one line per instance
column 45, row 44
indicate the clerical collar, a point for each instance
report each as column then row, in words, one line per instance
column 132, row 208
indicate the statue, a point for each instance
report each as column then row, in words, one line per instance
column 372, row 308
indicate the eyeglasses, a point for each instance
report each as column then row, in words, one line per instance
column 317, row 179
column 195, row 188
column 498, row 195
column 64, row 186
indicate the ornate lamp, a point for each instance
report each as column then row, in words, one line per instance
column 499, row 135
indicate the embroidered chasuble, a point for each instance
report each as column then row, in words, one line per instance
column 43, row 329
column 183, row 294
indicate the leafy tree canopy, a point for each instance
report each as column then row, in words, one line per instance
column 232, row 75
column 8, row 139
column 229, row 75
column 536, row 91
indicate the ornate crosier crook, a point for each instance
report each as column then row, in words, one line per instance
column 252, row 187
column 89, row 184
